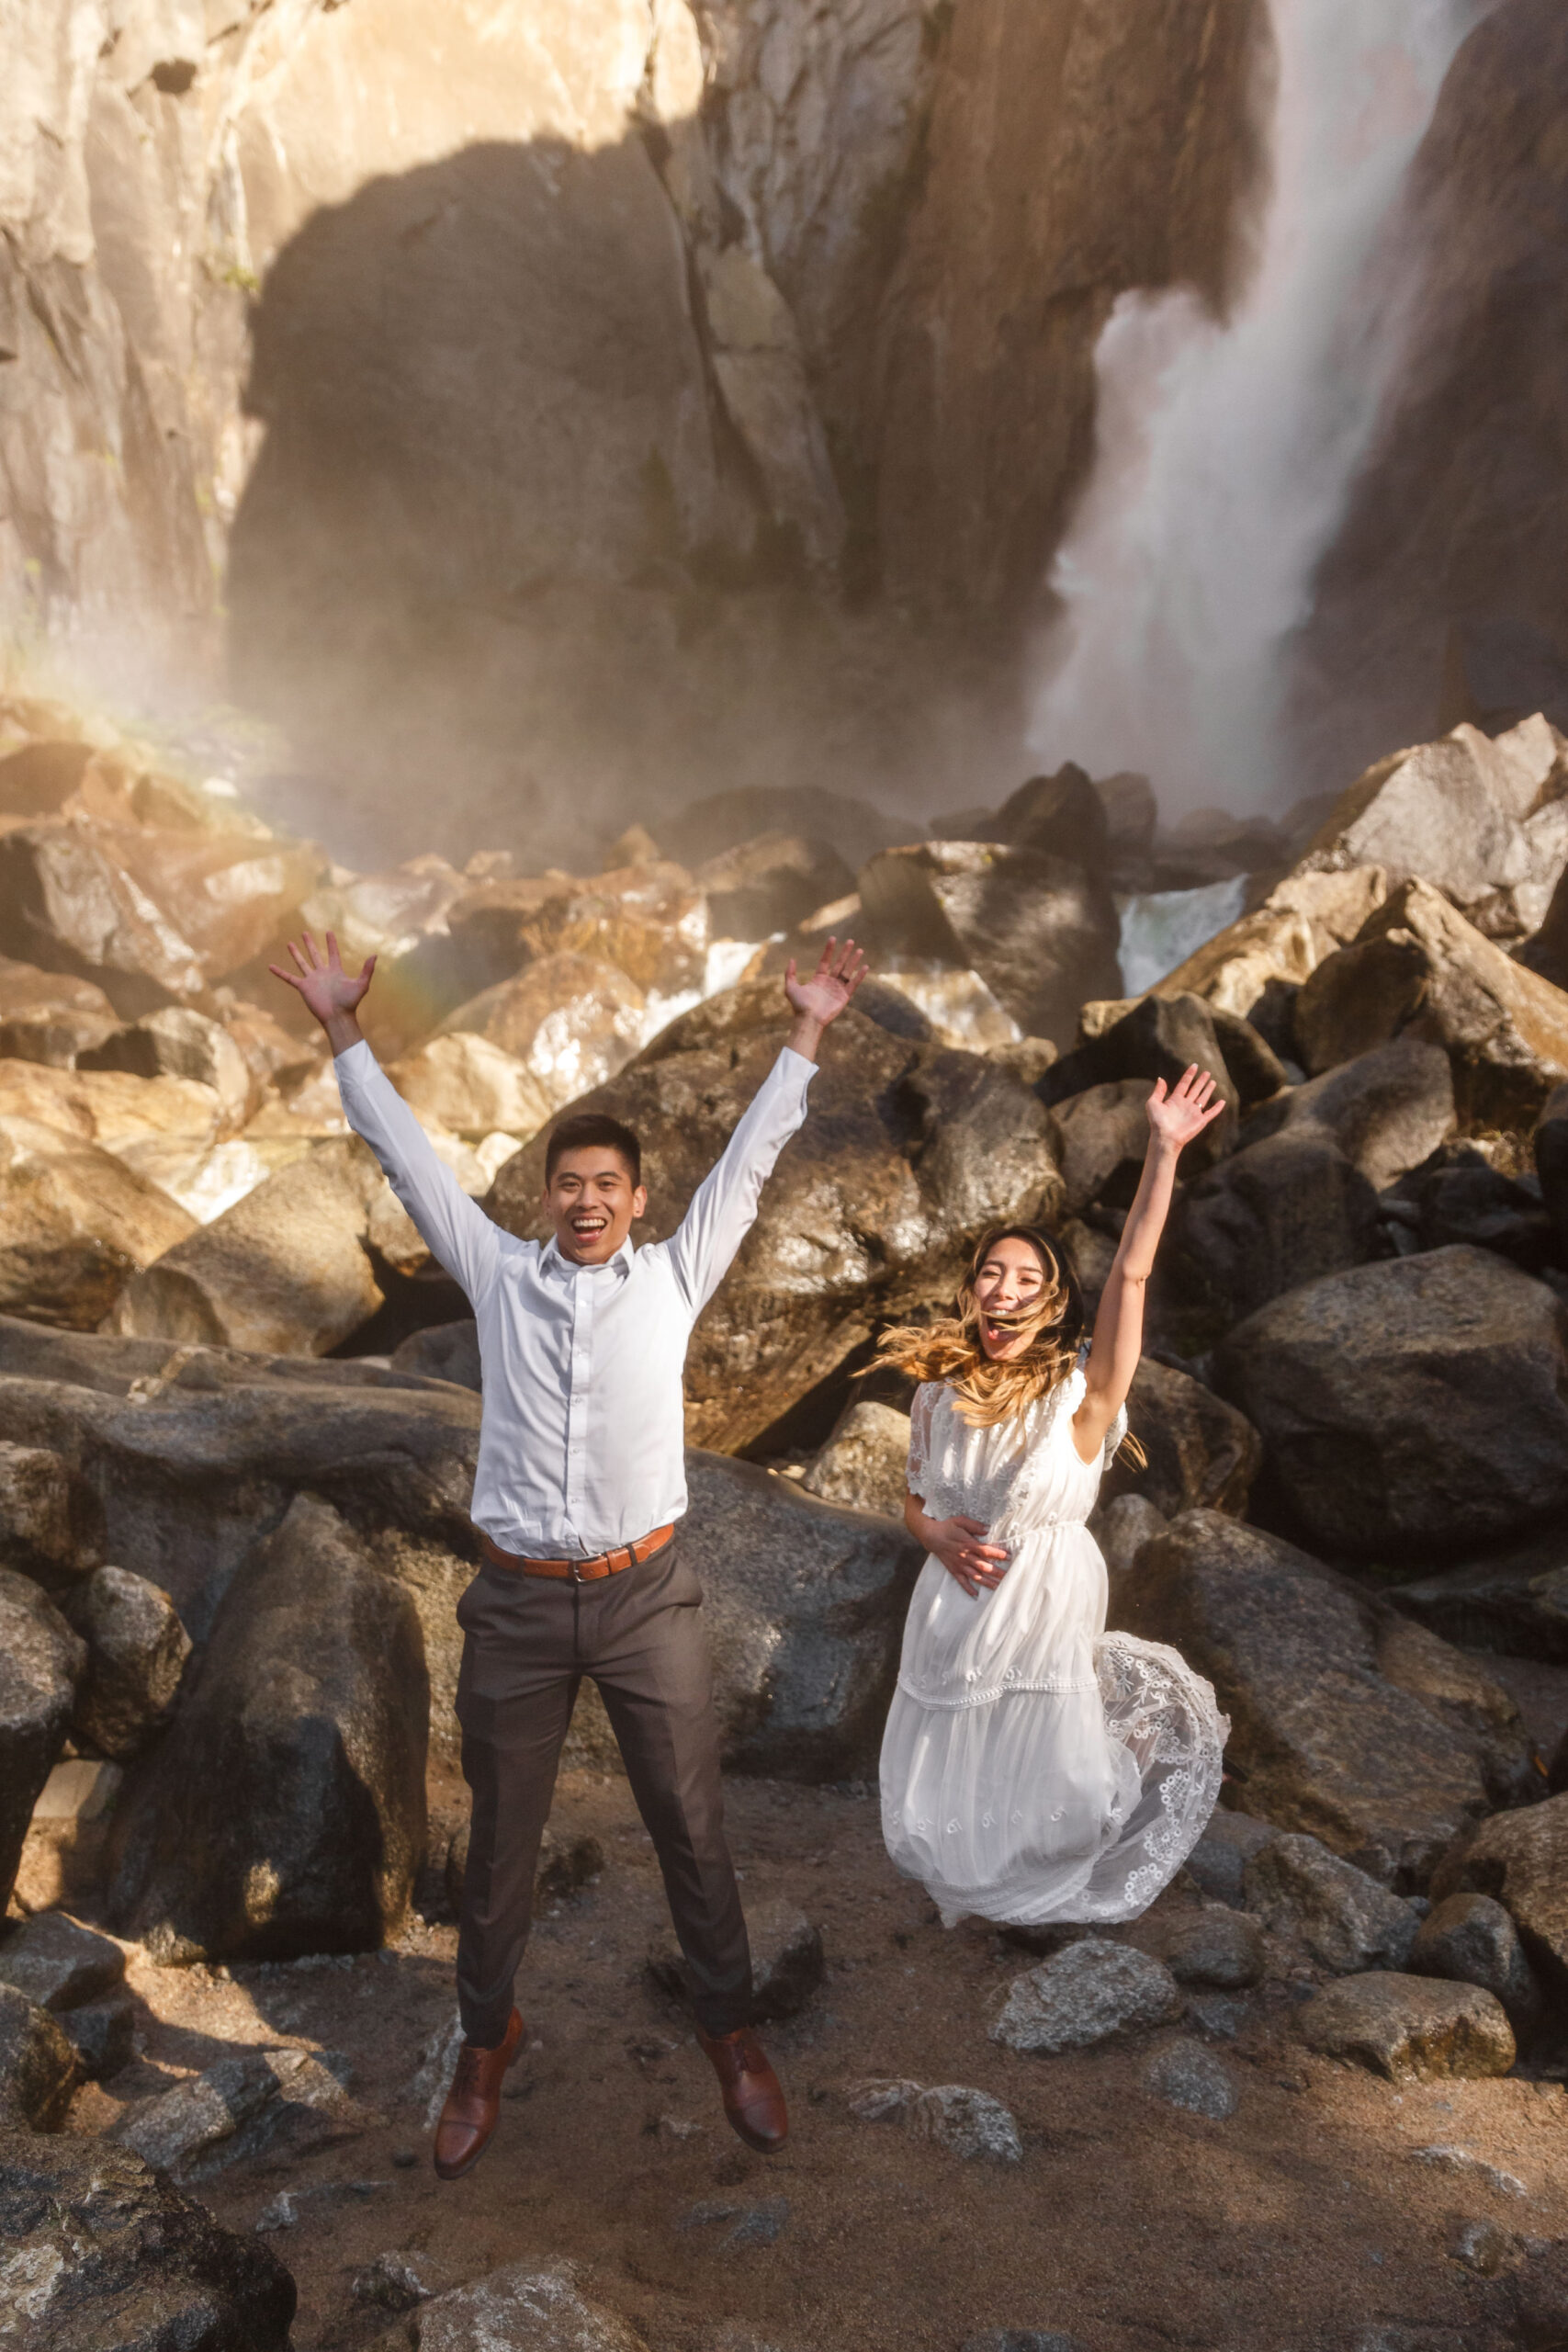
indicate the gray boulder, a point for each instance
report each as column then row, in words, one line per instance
column 119, row 2256
column 1122, row 1526
column 1521, row 1858
column 51, row 1523
column 1345, row 1919
column 1419, row 1404
column 136, row 1650
column 1409, row 2029
column 58, row 1964
column 1093, row 1990
column 521, row 2309
column 1209, row 1945
column 1315, row 1674
column 1552, row 1161
column 1203, row 1453
column 41, row 1662
column 1185, row 2075
column 1040, row 930
column 103, row 2035
column 1387, row 1111
column 442, row 1352
column 172, row 2129
column 1472, row 1939
column 911, row 1151
column 1218, row 1862
column 39, row 2068
column 569, row 1858
column 285, row 1811
column 862, row 1465
column 967, row 2122
column 1098, row 1139
column 1283, row 1211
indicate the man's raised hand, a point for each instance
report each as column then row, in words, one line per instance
column 332, row 994
column 819, row 1000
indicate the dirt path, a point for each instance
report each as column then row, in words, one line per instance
column 1300, row 2223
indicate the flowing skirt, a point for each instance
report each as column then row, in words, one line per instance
column 1080, row 1802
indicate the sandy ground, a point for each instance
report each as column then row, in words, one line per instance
column 1302, row 2222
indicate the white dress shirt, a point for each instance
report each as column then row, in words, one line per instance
column 581, row 1444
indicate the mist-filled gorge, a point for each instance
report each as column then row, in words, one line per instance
column 588, row 502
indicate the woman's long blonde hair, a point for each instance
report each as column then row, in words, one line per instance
column 949, row 1350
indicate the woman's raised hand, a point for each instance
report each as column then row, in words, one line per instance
column 327, row 988
column 1184, row 1110
column 960, row 1544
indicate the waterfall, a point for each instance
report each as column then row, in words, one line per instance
column 1225, row 450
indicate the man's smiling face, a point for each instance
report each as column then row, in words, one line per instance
column 593, row 1204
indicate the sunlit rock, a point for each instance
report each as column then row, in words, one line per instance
column 384, row 914
column 571, row 1020
column 75, row 1225
column 49, row 1017
column 472, row 1087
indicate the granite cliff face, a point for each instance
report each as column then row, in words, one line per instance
column 1442, row 597
column 528, row 371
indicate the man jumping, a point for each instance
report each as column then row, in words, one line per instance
column 578, row 1496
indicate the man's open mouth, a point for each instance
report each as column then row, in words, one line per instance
column 590, row 1223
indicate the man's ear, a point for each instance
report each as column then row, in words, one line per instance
column 639, row 1202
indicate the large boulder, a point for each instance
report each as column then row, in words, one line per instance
column 1094, row 1991
column 1387, row 1111
column 864, row 1463
column 1552, row 1161
column 136, row 1650
column 1203, row 1453
column 1521, row 1858
column 75, row 1226
column 39, row 2066
column 286, row 1271
column 1099, row 1139
column 1417, row 965
column 1515, row 1601
column 1265, row 954
column 1347, row 1921
column 1412, row 1407
column 805, row 1607
column 650, row 921
column 908, row 1151
column 1451, row 812
column 111, row 2254
column 1471, row 1940
column 471, row 1087
column 1040, row 930
column 1328, row 1735
column 572, row 1021
column 1158, row 1036
column 285, row 1811
column 522, row 2309
column 179, row 1042
column 41, row 1662
column 771, row 883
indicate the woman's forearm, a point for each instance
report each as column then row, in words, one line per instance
column 1151, row 1206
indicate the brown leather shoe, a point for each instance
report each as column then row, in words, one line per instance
column 753, row 2099
column 473, row 2103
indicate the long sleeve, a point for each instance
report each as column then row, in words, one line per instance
column 724, row 1206
column 456, row 1228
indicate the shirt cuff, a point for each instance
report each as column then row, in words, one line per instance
column 345, row 1060
column 796, row 1066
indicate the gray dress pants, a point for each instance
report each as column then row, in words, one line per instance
column 528, row 1643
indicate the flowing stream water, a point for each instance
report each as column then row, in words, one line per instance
column 1225, row 450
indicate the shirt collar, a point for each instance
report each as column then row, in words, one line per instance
column 554, row 1261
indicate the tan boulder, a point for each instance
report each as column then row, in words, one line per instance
column 1304, row 919
column 1417, row 965
column 1449, row 811
column 650, row 921
column 573, row 1021
column 49, row 1017
column 471, row 1087
column 75, row 1223
column 286, row 1270
column 387, row 913
column 179, row 1041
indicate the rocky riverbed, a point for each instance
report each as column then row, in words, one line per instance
column 1316, row 2098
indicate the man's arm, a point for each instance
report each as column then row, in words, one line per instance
column 456, row 1228
column 724, row 1206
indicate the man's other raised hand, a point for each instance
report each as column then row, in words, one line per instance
column 332, row 994
column 818, row 1000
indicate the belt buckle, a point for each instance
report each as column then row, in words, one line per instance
column 574, row 1570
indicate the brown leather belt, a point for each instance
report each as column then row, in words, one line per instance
column 602, row 1563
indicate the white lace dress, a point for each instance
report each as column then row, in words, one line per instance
column 1034, row 1767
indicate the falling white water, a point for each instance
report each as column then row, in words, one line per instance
column 1224, row 452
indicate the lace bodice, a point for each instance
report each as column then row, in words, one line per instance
column 1026, row 1471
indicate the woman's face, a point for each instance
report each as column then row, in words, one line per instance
column 1008, row 1287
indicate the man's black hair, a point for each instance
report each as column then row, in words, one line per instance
column 585, row 1129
